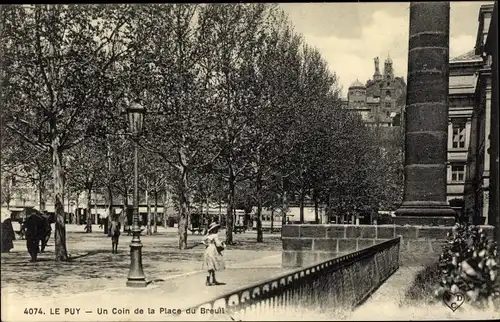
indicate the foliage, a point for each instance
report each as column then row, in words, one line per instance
column 469, row 264
column 238, row 109
column 424, row 282
column 54, row 64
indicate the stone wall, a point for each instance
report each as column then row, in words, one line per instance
column 309, row 243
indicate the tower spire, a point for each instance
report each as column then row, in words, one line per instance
column 377, row 76
column 388, row 71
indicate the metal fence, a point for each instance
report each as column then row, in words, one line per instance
column 342, row 282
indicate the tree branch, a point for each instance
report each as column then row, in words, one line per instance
column 215, row 157
column 40, row 62
column 37, row 145
column 161, row 154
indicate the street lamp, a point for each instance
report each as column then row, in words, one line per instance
column 136, row 278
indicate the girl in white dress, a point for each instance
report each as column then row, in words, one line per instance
column 212, row 258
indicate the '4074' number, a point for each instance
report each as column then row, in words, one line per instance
column 33, row 311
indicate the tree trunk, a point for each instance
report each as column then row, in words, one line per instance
column 259, row 207
column 165, row 207
column 124, row 211
column 95, row 207
column 77, row 213
column 208, row 212
column 329, row 209
column 183, row 219
column 316, row 210
column 41, row 193
column 155, row 229
column 302, row 197
column 58, row 176
column 89, row 209
column 230, row 206
column 284, row 206
column 111, row 213
column 220, row 210
column 148, row 225
column 272, row 220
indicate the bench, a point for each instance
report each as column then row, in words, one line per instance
column 239, row 229
column 198, row 230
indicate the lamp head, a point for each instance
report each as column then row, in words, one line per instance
column 135, row 113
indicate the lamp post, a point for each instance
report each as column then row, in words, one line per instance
column 136, row 278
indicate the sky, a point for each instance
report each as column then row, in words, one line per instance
column 350, row 35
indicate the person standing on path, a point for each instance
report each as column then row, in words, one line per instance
column 212, row 257
column 38, row 230
column 114, row 233
column 8, row 235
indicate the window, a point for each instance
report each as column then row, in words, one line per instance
column 457, row 173
column 458, row 135
column 388, row 105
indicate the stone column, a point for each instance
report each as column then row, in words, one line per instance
column 426, row 120
column 492, row 49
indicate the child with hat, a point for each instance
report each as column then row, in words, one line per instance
column 212, row 258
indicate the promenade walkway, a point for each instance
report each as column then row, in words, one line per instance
column 159, row 301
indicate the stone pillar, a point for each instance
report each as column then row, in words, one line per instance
column 426, row 120
column 491, row 48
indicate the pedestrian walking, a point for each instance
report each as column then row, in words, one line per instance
column 7, row 235
column 213, row 259
column 114, row 233
column 46, row 236
column 37, row 230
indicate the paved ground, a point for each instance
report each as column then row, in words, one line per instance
column 387, row 304
column 95, row 279
column 157, row 301
column 93, row 267
column 91, row 287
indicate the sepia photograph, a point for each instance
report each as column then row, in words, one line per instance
column 249, row 161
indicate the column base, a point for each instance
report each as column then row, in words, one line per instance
column 424, row 221
column 425, row 213
column 137, row 283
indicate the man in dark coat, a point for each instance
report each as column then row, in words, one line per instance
column 7, row 235
column 46, row 235
column 114, row 233
column 37, row 230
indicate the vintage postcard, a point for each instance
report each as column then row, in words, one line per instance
column 249, row 161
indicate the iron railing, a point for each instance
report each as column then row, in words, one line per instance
column 338, row 283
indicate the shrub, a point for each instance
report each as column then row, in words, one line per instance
column 422, row 286
column 469, row 265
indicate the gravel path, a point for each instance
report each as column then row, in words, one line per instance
column 93, row 267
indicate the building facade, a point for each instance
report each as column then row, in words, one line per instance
column 477, row 187
column 462, row 99
column 381, row 99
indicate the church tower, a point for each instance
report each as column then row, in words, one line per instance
column 377, row 76
column 388, row 71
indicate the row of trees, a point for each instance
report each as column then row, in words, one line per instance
column 238, row 107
